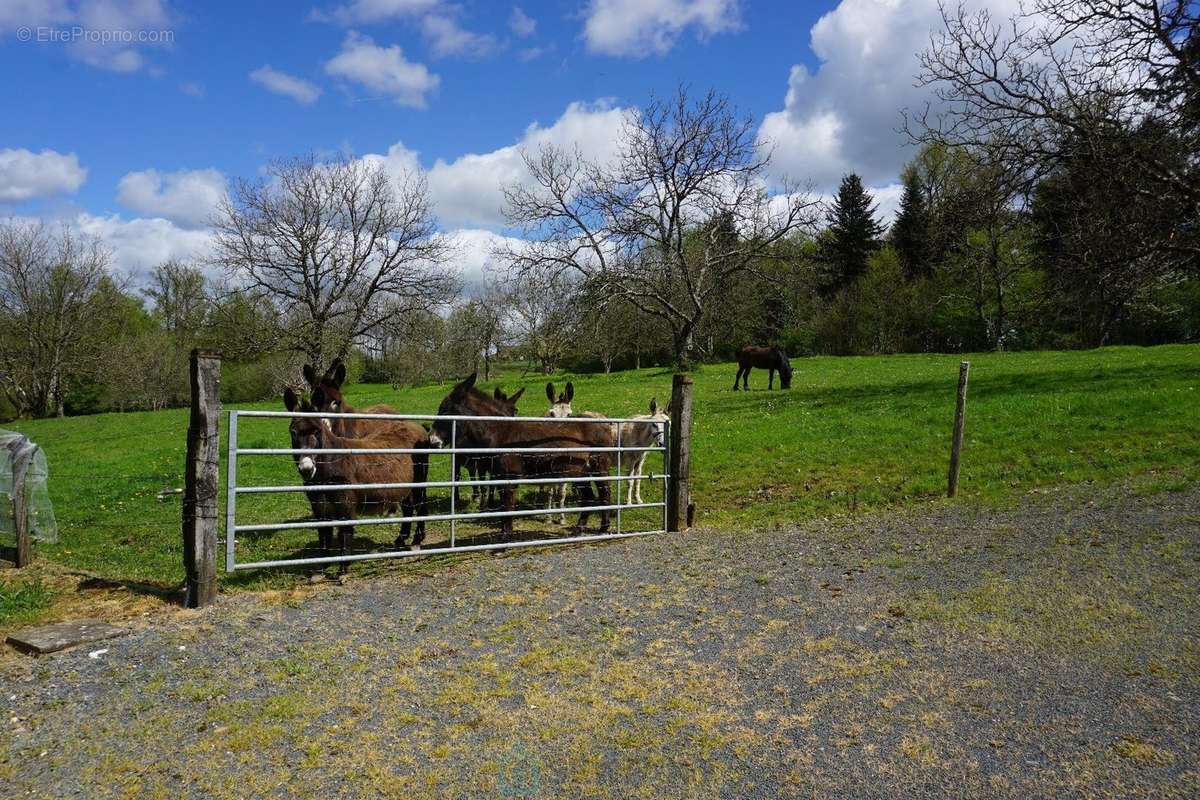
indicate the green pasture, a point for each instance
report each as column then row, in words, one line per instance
column 852, row 434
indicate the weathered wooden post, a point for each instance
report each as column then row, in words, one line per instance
column 960, row 416
column 201, row 479
column 679, row 486
column 21, row 461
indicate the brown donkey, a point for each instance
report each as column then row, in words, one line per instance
column 465, row 400
column 343, row 468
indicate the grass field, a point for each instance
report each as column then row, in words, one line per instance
column 852, row 434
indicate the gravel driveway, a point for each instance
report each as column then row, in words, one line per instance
column 1045, row 650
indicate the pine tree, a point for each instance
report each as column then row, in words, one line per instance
column 853, row 234
column 910, row 231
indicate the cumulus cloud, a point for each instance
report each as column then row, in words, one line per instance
column 187, row 197
column 138, row 245
column 447, row 38
column 844, row 117
column 521, row 24
column 287, row 85
column 638, row 28
column 25, row 175
column 467, row 191
column 383, row 69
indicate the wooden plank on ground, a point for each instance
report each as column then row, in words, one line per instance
column 42, row 639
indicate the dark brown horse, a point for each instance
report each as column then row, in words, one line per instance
column 769, row 358
column 318, row 470
column 465, row 400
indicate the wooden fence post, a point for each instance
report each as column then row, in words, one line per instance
column 679, row 485
column 960, row 418
column 201, row 480
column 22, row 458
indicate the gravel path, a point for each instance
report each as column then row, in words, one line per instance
column 1047, row 650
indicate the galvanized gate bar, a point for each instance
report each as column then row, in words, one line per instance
column 334, row 487
column 520, row 512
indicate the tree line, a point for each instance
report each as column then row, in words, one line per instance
column 1052, row 202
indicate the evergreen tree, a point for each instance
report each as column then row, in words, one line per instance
column 853, row 234
column 910, row 231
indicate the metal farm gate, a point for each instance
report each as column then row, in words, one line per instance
column 236, row 492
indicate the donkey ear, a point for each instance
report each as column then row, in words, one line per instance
column 310, row 375
column 290, row 401
column 339, row 372
column 668, row 408
column 570, row 391
column 517, row 395
column 465, row 384
column 653, row 406
column 550, row 392
column 497, row 394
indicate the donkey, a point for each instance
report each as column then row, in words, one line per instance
column 480, row 467
column 327, row 396
column 342, row 468
column 560, row 407
column 465, row 400
column 651, row 432
column 769, row 358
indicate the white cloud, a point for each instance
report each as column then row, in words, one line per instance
column 187, row 197
column 278, row 82
column 32, row 13
column 138, row 245
column 474, row 256
column 638, row 28
column 25, row 174
column 382, row 69
column 447, row 38
column 368, row 11
column 521, row 24
column 467, row 192
column 845, row 116
column 114, row 33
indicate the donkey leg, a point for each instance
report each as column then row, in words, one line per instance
column 737, row 378
column 771, row 378
column 406, row 510
column 604, row 492
column 746, row 379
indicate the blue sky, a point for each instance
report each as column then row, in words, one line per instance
column 135, row 139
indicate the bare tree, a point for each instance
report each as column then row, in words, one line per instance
column 338, row 249
column 48, row 287
column 641, row 225
column 1081, row 71
column 542, row 314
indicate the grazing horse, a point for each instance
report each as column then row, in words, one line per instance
column 343, row 468
column 770, row 358
column 465, row 400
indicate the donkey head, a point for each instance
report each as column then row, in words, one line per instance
column 305, row 432
column 464, row 399
column 327, row 389
column 560, row 404
column 659, row 418
column 508, row 402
